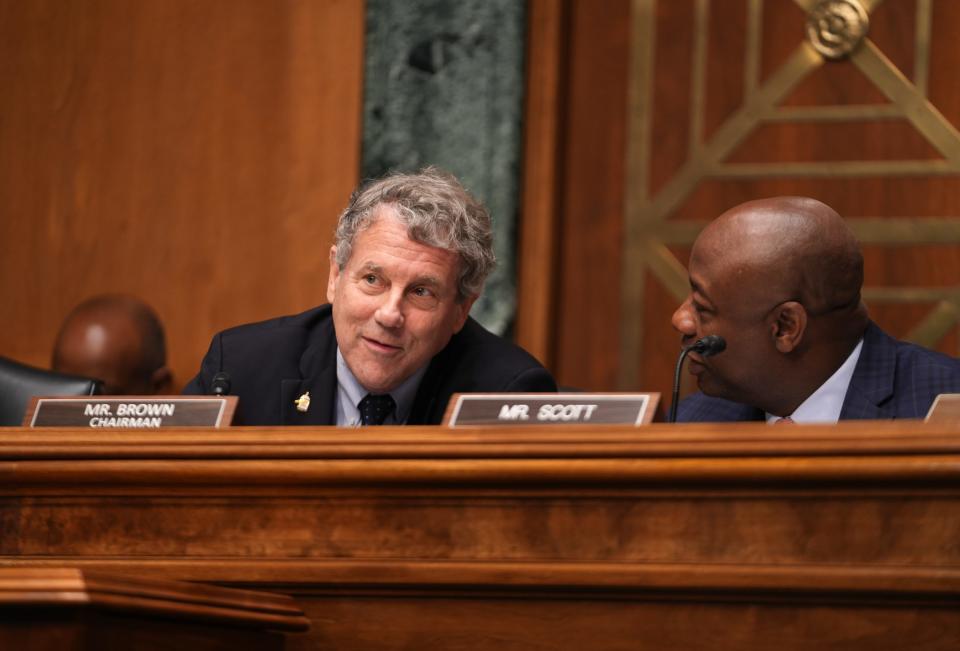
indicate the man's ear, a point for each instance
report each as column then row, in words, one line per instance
column 463, row 311
column 334, row 275
column 788, row 326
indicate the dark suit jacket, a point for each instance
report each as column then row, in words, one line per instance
column 892, row 379
column 273, row 362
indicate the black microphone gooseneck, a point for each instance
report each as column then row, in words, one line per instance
column 220, row 384
column 705, row 346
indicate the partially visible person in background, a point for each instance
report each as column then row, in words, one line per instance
column 118, row 340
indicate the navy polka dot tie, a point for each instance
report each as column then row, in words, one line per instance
column 374, row 409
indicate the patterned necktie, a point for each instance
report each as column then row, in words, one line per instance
column 786, row 420
column 374, row 409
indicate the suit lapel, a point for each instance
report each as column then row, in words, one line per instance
column 871, row 386
column 318, row 375
column 426, row 398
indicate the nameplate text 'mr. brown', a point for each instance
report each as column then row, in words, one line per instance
column 131, row 412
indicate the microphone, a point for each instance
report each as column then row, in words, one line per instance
column 220, row 385
column 706, row 347
column 709, row 345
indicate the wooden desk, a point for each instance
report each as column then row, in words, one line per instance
column 80, row 610
column 668, row 537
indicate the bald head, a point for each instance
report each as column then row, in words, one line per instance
column 117, row 339
column 789, row 247
column 779, row 279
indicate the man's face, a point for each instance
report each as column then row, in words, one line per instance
column 394, row 303
column 733, row 300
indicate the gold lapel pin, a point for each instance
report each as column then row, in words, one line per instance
column 303, row 402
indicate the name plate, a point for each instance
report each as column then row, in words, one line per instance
column 945, row 409
column 131, row 412
column 550, row 408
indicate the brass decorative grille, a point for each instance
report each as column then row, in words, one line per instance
column 648, row 229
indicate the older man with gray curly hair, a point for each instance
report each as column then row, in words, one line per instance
column 411, row 254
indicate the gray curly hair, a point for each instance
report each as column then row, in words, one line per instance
column 437, row 211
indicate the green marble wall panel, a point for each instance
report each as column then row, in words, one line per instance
column 444, row 86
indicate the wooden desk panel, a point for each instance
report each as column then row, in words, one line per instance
column 67, row 608
column 686, row 537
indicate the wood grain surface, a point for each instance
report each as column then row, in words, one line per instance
column 517, row 538
column 194, row 154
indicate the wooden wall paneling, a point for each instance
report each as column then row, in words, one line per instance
column 592, row 196
column 537, row 282
column 194, row 154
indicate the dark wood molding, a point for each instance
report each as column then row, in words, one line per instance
column 538, row 238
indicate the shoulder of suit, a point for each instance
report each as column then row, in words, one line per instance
column 475, row 340
column 909, row 353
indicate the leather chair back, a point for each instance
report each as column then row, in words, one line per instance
column 19, row 383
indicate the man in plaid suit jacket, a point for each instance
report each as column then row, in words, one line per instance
column 779, row 279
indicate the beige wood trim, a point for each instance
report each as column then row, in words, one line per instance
column 828, row 169
column 892, row 231
column 46, row 586
column 751, row 62
column 348, row 573
column 921, row 58
column 539, row 219
column 839, row 113
column 936, row 324
column 698, row 88
column 910, row 294
column 924, row 116
column 637, row 186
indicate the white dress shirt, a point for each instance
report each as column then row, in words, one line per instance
column 350, row 392
column 824, row 404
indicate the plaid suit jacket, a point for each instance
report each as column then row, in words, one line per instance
column 892, row 379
